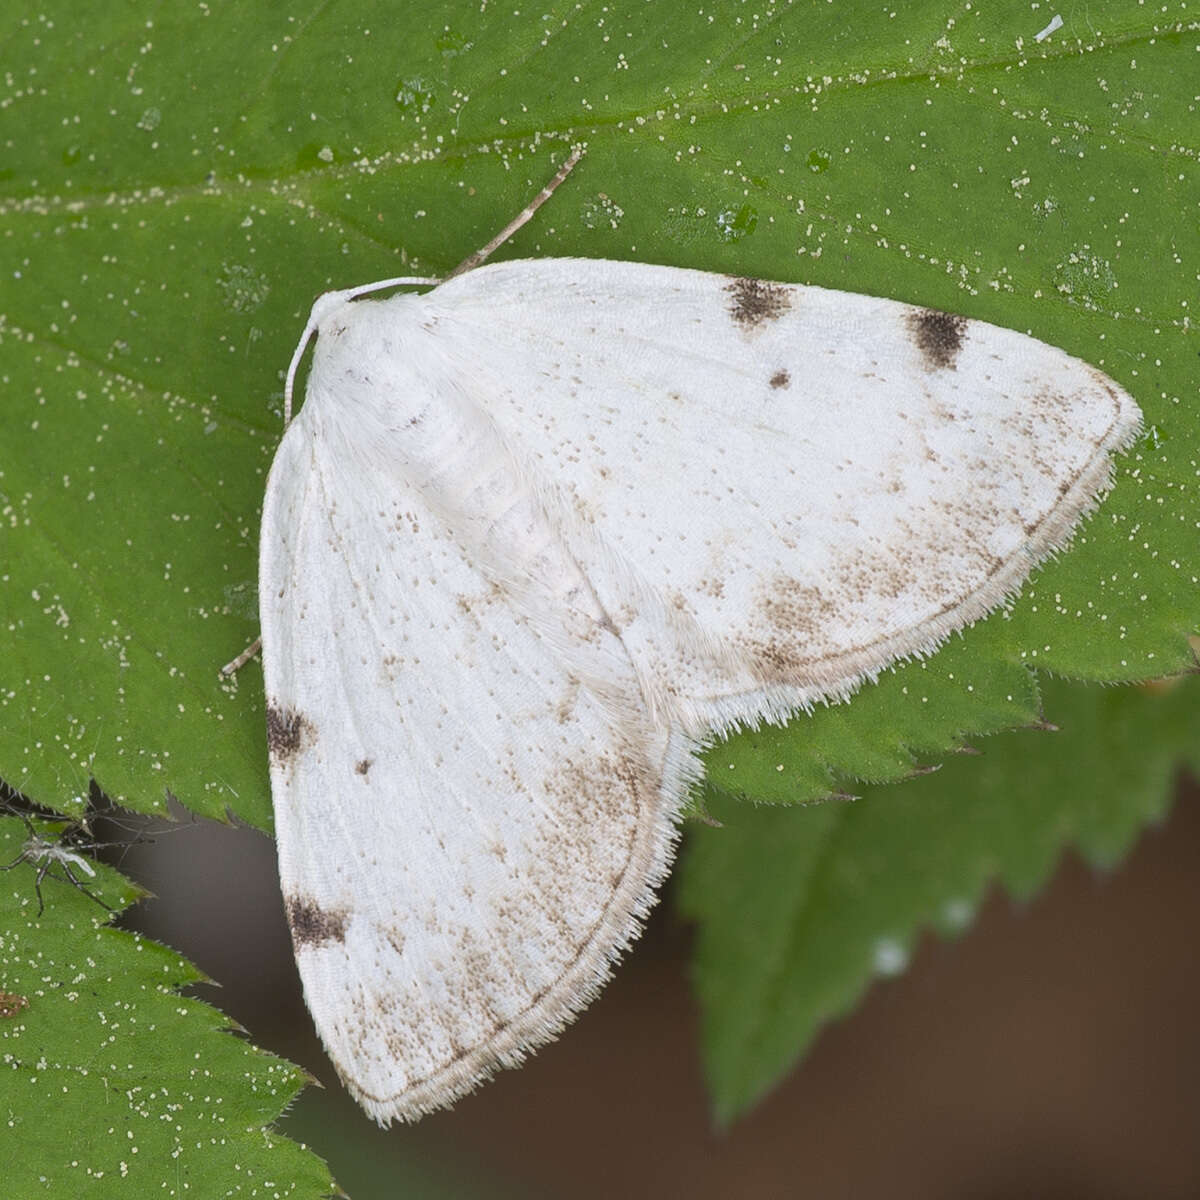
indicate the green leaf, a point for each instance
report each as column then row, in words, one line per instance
column 111, row 1082
column 167, row 239
column 799, row 909
column 178, row 184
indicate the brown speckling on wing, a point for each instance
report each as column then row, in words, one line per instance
column 938, row 336
column 780, row 379
column 755, row 301
column 791, row 615
column 288, row 732
column 565, row 707
column 11, row 1004
column 607, row 788
column 312, row 925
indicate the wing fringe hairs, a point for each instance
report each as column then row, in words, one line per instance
column 539, row 535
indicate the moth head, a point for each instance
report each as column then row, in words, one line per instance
column 323, row 311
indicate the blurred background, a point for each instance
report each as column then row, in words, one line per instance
column 1051, row 1051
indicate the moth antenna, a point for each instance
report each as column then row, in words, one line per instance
column 331, row 299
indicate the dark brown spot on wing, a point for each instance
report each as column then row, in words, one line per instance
column 288, row 732
column 754, row 301
column 938, row 336
column 313, row 925
column 780, row 379
column 362, row 766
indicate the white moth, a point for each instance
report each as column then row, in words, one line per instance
column 541, row 533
